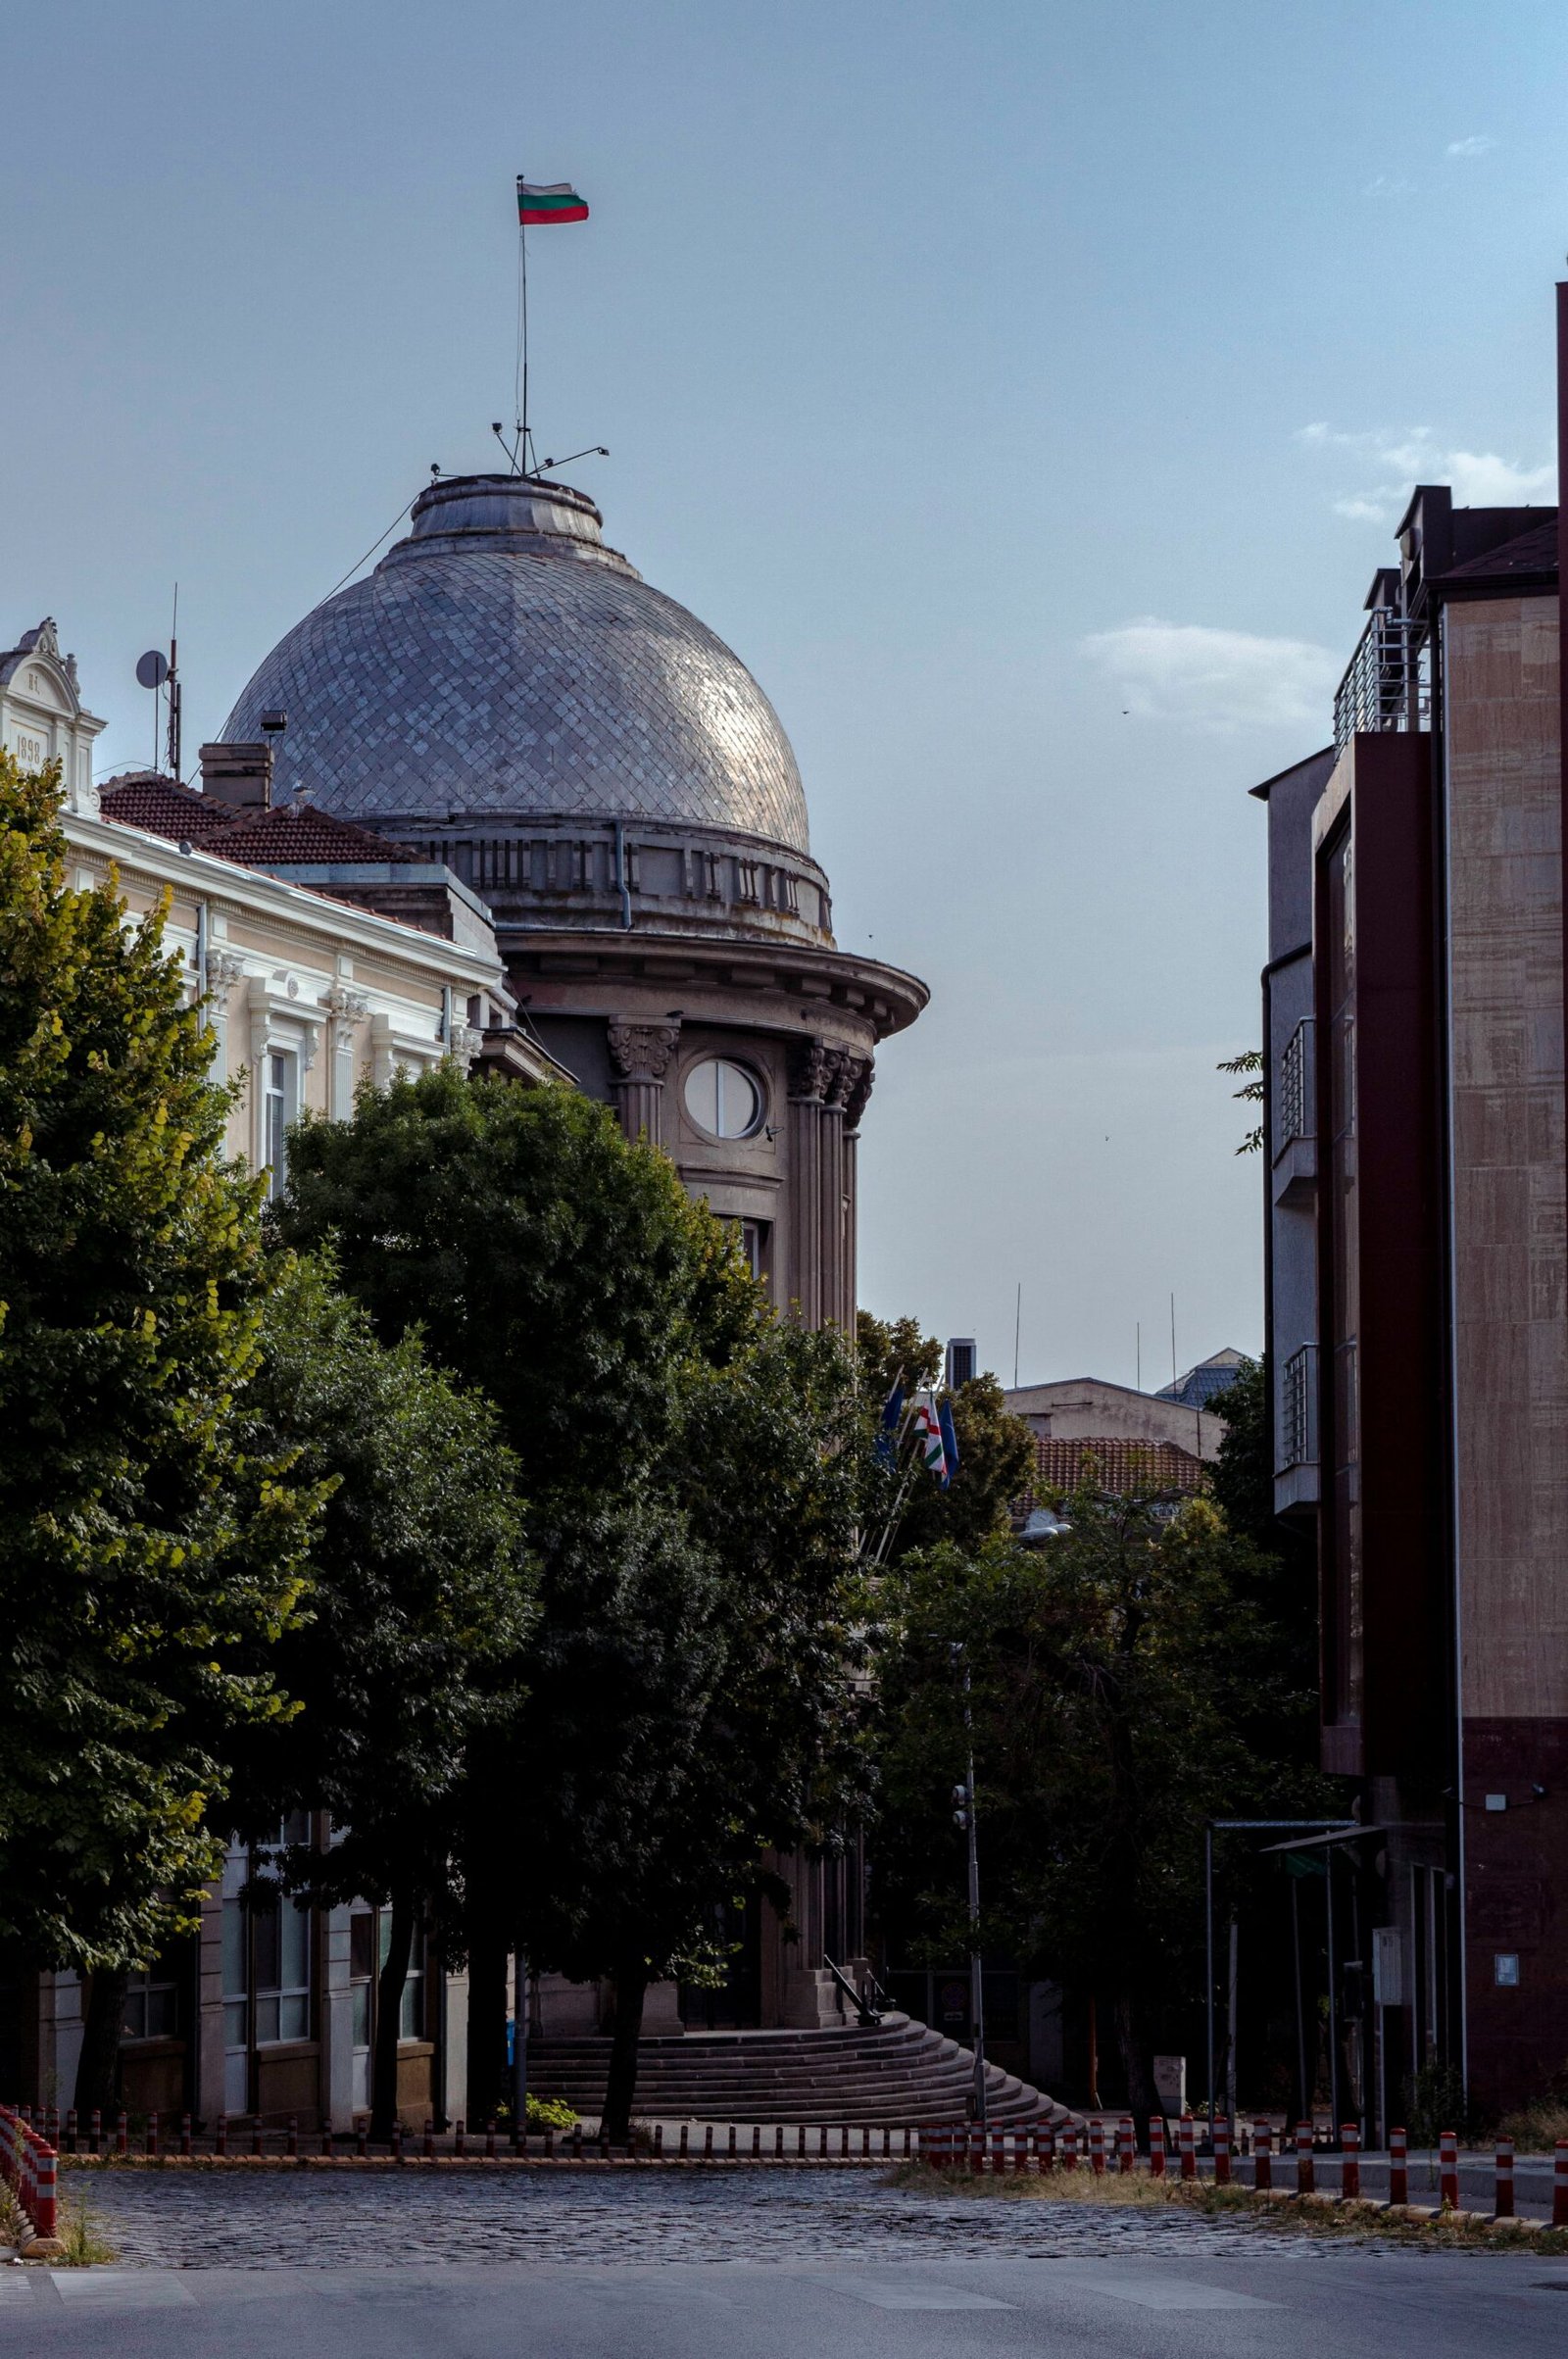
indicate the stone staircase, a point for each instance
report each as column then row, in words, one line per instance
column 890, row 2073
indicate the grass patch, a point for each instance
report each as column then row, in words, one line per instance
column 1309, row 2215
column 86, row 2247
column 1535, row 2129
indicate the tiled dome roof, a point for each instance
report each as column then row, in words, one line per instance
column 502, row 663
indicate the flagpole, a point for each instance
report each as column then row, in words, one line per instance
column 522, row 327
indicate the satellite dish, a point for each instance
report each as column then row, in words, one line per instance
column 152, row 669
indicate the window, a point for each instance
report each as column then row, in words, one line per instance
column 369, row 1937
column 152, row 2002
column 278, row 1114
column 755, row 1239
column 268, row 1950
column 723, row 1098
column 283, row 1948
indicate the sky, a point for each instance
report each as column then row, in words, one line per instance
column 1027, row 393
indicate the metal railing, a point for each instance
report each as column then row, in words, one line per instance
column 1299, row 1410
column 1388, row 684
column 1297, row 1113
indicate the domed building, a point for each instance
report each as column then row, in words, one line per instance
column 507, row 694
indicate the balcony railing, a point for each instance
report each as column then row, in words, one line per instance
column 1297, row 1114
column 1298, row 1435
column 1388, row 682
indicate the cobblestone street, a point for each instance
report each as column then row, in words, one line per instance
column 392, row 2217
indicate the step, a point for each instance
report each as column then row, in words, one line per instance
column 888, row 2075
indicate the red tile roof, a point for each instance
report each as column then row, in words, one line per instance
column 291, row 834
column 1118, row 1466
column 163, row 806
column 297, row 831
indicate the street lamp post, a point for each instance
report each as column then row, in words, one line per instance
column 965, row 1816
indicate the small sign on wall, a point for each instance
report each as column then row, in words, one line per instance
column 1505, row 1969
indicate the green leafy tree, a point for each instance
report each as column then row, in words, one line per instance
column 421, row 1601
column 698, row 1670
column 148, row 1558
column 1116, row 1672
column 693, row 1477
column 565, row 1273
column 1251, row 1092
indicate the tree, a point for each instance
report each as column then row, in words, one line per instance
column 1251, row 1092
column 694, row 1473
column 1115, row 1674
column 420, row 1603
column 147, row 1557
column 711, row 1644
column 996, row 1449
column 563, row 1272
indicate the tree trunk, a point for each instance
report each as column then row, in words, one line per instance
column 389, row 2018
column 1142, row 2098
column 98, row 2068
column 631, row 1989
column 487, row 2026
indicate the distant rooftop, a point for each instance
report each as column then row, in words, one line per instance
column 1118, row 1466
column 1197, row 1387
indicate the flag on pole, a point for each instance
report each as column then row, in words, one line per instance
column 537, row 208
column 929, row 1444
column 950, row 1440
column 887, row 1440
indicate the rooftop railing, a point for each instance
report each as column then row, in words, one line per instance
column 1388, row 684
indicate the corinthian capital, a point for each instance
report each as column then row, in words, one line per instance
column 642, row 1052
column 809, row 1068
column 861, row 1075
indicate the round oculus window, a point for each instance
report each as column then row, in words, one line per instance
column 723, row 1099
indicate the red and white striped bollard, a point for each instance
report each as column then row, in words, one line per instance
column 1306, row 2177
column 1222, row 2154
column 1502, row 2208
column 1156, row 2145
column 1448, row 2169
column 1399, row 2167
column 1262, row 2156
column 1186, row 2132
column 1351, row 2159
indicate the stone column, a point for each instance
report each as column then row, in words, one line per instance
column 809, row 1076
column 830, row 1209
column 640, row 1054
column 859, row 1092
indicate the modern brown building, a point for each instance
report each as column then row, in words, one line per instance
column 1417, row 1299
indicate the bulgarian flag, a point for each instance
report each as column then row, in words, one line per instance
column 560, row 202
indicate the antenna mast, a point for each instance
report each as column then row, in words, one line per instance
column 173, row 692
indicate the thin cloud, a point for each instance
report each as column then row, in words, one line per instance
column 1479, row 143
column 1214, row 680
column 1391, row 464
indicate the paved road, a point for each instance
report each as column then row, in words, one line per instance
column 757, row 2264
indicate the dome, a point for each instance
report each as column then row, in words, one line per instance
column 503, row 664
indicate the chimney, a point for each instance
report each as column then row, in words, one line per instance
column 239, row 775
